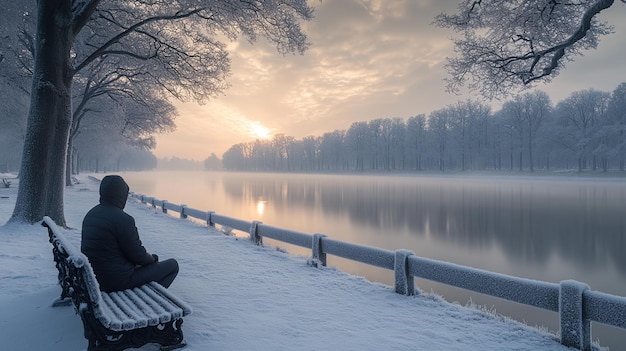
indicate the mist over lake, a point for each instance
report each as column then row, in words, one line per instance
column 543, row 228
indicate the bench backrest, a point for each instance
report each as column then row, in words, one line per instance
column 76, row 276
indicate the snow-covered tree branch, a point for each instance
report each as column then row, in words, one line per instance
column 506, row 45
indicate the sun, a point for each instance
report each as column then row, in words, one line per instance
column 259, row 131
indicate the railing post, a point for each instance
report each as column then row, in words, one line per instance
column 254, row 233
column 152, row 202
column 182, row 211
column 209, row 219
column 575, row 330
column 404, row 282
column 319, row 256
column 163, row 206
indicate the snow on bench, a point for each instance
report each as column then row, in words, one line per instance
column 120, row 319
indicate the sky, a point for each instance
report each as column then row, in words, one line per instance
column 243, row 296
column 368, row 59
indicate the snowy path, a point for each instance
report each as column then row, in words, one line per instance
column 244, row 297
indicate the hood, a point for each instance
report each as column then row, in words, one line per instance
column 113, row 191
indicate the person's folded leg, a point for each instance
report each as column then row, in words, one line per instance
column 162, row 272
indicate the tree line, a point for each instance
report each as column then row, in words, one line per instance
column 585, row 131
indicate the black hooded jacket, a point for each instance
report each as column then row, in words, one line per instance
column 110, row 239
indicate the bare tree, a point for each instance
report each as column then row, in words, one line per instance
column 332, row 150
column 513, row 114
column 173, row 42
column 310, row 145
column 16, row 59
column 526, row 114
column 507, row 45
column 357, row 141
column 234, row 159
column 124, row 88
column 537, row 106
column 116, row 126
column 212, row 163
column 280, row 144
column 12, row 126
column 14, row 84
column 385, row 132
column 617, row 115
column 97, row 149
column 439, row 125
column 295, row 155
column 580, row 113
column 460, row 125
column 498, row 139
column 12, row 111
column 376, row 143
column 416, row 138
column 135, row 114
column 398, row 143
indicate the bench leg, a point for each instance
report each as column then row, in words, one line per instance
column 169, row 335
column 173, row 347
column 62, row 302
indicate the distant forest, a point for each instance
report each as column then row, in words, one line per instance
column 585, row 131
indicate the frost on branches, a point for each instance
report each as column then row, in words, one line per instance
column 507, row 45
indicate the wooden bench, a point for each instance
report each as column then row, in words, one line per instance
column 6, row 182
column 116, row 320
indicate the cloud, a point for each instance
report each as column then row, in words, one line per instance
column 369, row 59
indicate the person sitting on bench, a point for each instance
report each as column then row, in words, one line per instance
column 111, row 242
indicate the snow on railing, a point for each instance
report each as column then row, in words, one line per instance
column 575, row 302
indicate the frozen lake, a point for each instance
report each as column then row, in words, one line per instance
column 541, row 228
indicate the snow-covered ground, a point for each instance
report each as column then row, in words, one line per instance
column 244, row 297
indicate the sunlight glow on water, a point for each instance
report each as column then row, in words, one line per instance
column 260, row 208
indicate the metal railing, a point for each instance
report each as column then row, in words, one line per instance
column 576, row 304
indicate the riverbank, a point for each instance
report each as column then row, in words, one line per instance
column 433, row 173
column 244, row 297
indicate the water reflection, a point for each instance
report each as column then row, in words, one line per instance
column 547, row 229
column 260, row 207
column 583, row 222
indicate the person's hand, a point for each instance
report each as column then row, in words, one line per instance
column 156, row 258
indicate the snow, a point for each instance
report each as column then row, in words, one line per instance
column 574, row 328
column 244, row 297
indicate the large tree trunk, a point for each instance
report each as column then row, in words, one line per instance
column 42, row 171
column 70, row 168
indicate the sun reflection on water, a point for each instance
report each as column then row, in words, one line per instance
column 260, row 207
